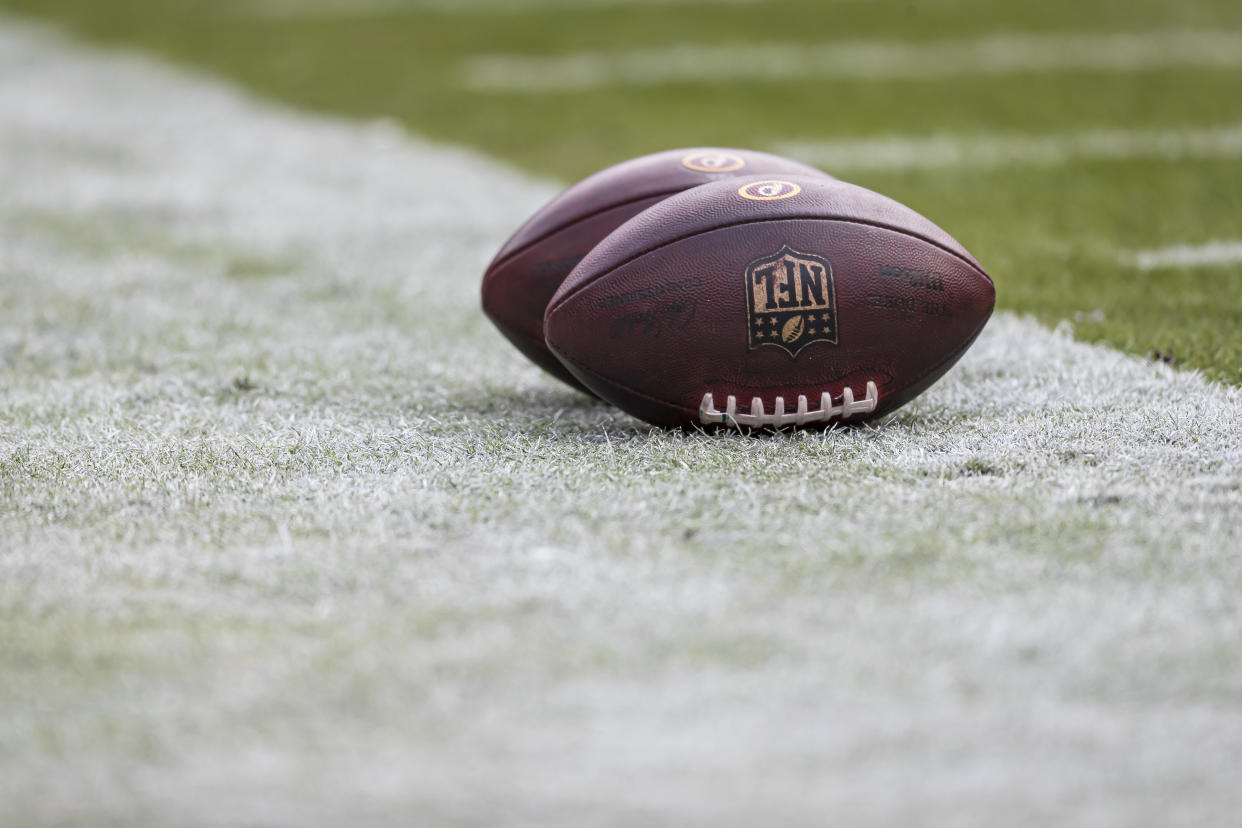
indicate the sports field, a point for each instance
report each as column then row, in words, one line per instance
column 1086, row 151
column 289, row 535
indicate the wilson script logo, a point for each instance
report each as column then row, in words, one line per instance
column 792, row 301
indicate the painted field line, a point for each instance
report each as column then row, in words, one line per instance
column 1012, row 149
column 361, row 8
column 1000, row 54
column 1210, row 254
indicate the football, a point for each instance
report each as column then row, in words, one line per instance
column 768, row 302
column 532, row 264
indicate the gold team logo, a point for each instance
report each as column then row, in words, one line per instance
column 791, row 299
column 773, row 190
column 713, row 162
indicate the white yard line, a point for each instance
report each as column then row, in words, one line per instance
column 1000, row 54
column 891, row 152
column 290, row 536
column 1210, row 254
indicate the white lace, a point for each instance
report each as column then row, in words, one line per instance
column 759, row 418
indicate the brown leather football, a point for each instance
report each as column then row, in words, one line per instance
column 532, row 264
column 776, row 302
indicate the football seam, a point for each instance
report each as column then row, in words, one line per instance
column 586, row 368
column 501, row 262
column 493, row 311
column 565, row 356
column 966, row 343
column 579, row 288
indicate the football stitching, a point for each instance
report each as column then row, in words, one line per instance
column 564, row 355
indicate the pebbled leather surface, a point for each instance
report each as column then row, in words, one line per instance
column 534, row 262
column 516, row 290
column 657, row 314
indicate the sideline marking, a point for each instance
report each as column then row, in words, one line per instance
column 1009, row 149
column 1211, row 254
column 999, row 54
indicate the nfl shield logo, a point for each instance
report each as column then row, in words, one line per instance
column 792, row 301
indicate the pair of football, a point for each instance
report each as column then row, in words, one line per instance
column 727, row 288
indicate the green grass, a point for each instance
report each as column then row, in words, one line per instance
column 1054, row 239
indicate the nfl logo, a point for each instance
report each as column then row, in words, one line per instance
column 792, row 301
